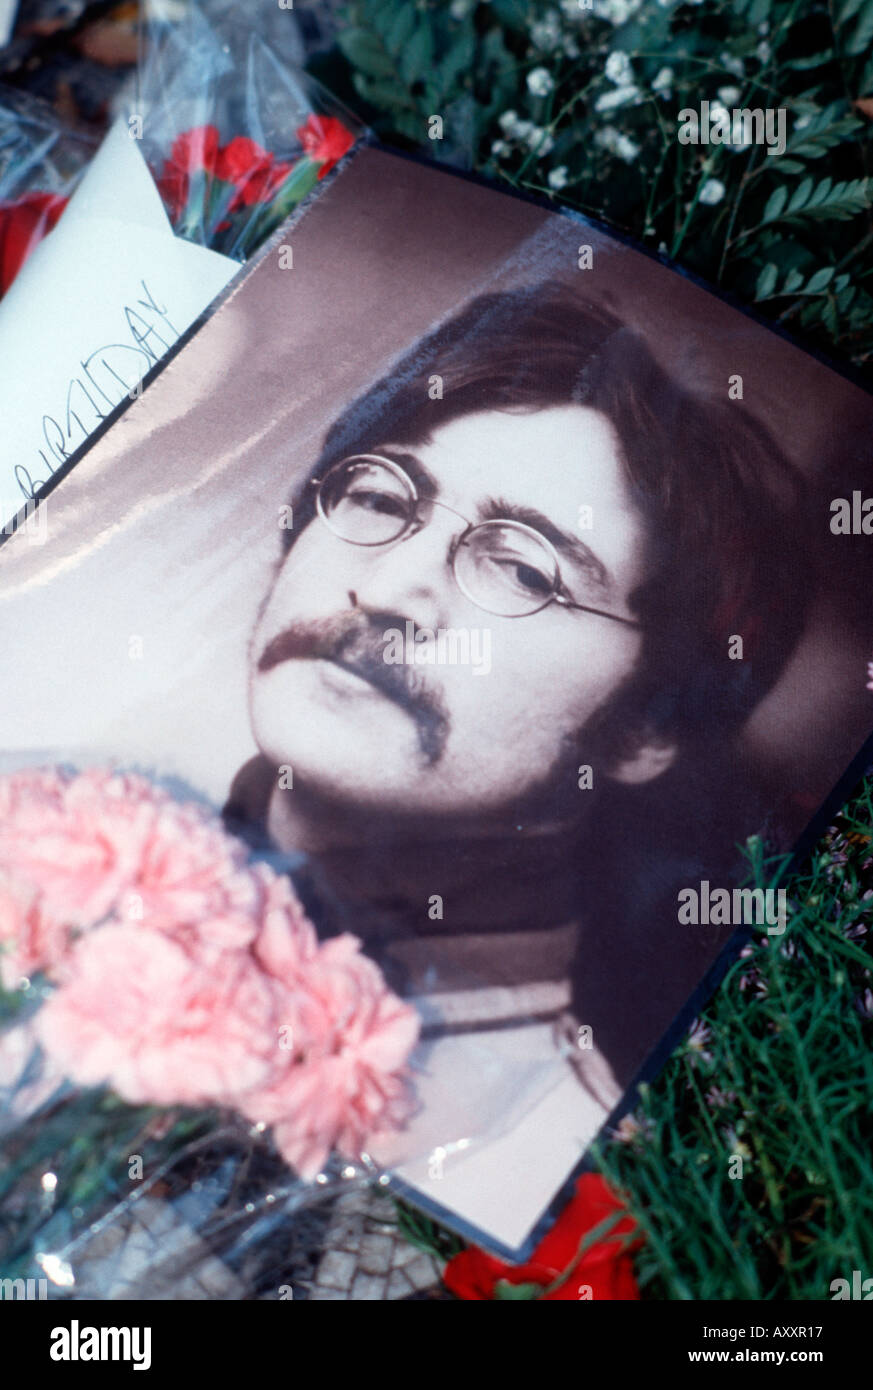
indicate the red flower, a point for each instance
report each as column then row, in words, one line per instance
column 195, row 149
column 605, row 1268
column 193, row 152
column 23, row 222
column 325, row 140
column 240, row 159
column 252, row 169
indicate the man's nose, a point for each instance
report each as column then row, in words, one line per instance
column 412, row 576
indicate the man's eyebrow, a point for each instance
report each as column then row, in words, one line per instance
column 424, row 480
column 499, row 509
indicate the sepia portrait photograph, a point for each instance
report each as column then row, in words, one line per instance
column 482, row 582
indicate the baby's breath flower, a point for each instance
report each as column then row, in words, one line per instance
column 618, row 68
column 728, row 95
column 712, row 192
column 540, row 140
column 619, row 96
column 545, row 33
column 618, row 12
column 663, row 81
column 540, row 82
column 558, row 178
column 617, row 143
column 763, row 51
column 499, row 147
column 513, row 127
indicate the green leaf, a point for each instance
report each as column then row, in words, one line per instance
column 399, row 31
column 766, row 281
column 820, row 279
column 842, row 201
column 458, row 60
column 848, row 11
column 800, row 195
column 775, row 203
column 821, row 134
column 863, row 33
column 417, row 58
column 812, row 60
column 793, row 281
column 385, row 95
column 366, row 52
column 513, row 13
column 506, row 1292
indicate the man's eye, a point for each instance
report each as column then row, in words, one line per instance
column 371, row 500
column 522, row 575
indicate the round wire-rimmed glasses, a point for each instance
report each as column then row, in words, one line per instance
column 504, row 567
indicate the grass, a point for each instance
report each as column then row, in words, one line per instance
column 778, row 1074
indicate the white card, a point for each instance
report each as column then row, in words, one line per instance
column 8, row 11
column 100, row 300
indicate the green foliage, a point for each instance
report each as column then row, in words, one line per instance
column 426, row 1234
column 600, row 129
column 779, row 1073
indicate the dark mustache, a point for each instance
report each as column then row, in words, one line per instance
column 355, row 643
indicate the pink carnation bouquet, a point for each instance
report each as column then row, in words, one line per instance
column 176, row 973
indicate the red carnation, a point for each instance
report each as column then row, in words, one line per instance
column 195, row 149
column 193, row 152
column 605, row 1267
column 240, row 159
column 325, row 140
column 251, row 169
column 24, row 222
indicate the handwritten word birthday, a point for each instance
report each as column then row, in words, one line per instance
column 106, row 377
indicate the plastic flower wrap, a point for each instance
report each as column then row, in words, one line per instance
column 40, row 163
column 232, row 196
column 146, row 956
column 235, row 134
column 233, row 131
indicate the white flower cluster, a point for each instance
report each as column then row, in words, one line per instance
column 712, row 192
column 517, row 131
column 618, row 12
column 558, row 177
column 546, row 33
column 540, row 82
column 619, row 72
column 662, row 83
column 617, row 143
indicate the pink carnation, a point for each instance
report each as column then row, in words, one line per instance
column 188, row 976
column 137, row 1013
column 78, row 839
column 29, row 940
column 104, row 844
column 343, row 1076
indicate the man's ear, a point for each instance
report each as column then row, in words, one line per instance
column 651, row 759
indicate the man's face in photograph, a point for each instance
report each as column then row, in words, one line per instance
column 439, row 738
